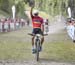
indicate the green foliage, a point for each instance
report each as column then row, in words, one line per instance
column 52, row 7
column 4, row 5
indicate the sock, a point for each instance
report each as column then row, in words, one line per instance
column 33, row 47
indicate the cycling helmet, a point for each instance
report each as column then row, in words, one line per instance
column 35, row 12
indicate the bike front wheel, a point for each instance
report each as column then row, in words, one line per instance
column 37, row 43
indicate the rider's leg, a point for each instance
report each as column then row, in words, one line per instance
column 33, row 32
column 33, row 41
column 33, row 44
column 42, row 40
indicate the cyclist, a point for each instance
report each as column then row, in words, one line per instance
column 38, row 27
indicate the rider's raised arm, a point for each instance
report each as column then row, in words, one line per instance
column 31, row 12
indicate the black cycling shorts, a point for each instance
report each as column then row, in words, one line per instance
column 37, row 31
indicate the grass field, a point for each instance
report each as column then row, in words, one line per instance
column 16, row 45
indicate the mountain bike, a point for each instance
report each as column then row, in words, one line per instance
column 37, row 44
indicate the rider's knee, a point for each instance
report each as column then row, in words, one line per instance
column 33, row 38
column 43, row 38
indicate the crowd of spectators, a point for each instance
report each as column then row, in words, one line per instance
column 9, row 24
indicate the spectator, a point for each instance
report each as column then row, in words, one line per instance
column 3, row 21
column 46, row 23
column 70, row 29
column 28, row 22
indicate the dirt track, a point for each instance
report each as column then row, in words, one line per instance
column 41, row 62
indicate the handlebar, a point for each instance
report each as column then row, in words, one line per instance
column 35, row 34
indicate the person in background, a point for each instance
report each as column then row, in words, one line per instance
column 71, row 29
column 46, row 23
